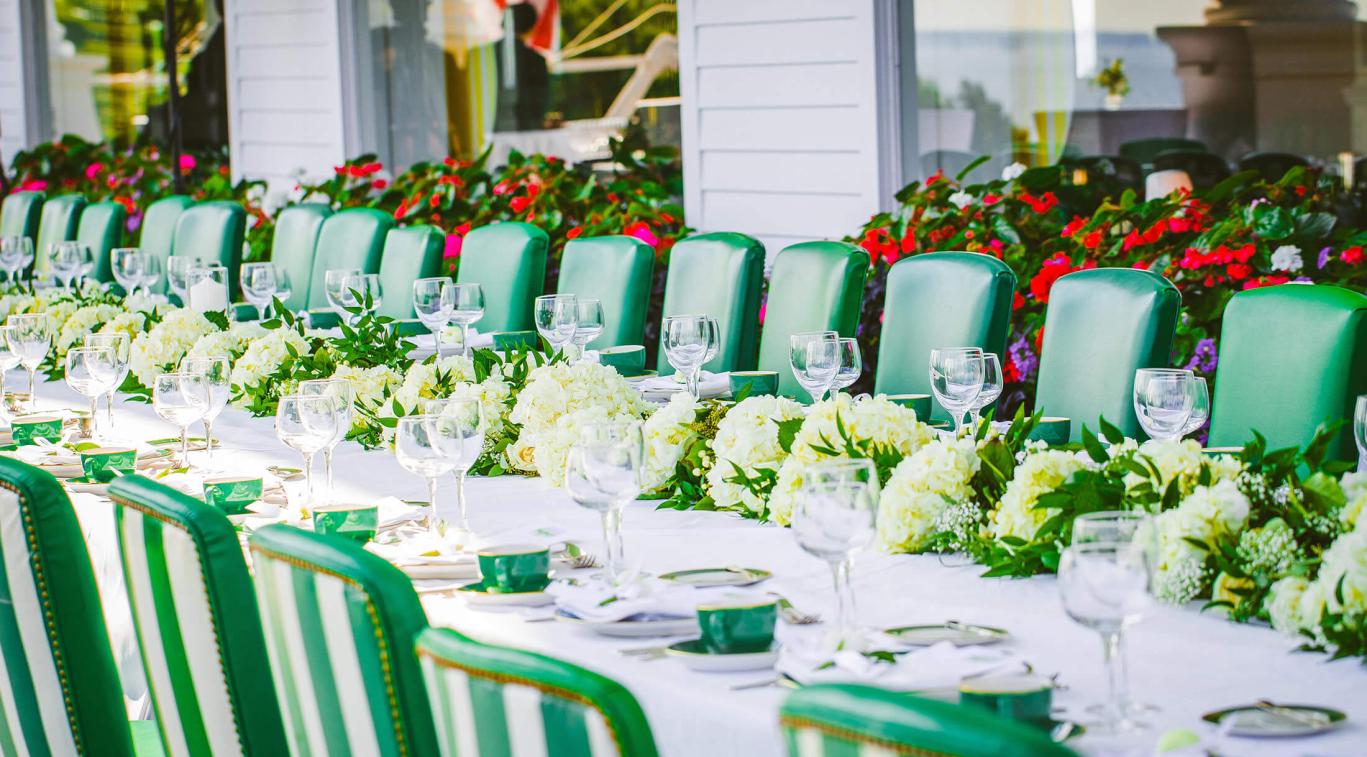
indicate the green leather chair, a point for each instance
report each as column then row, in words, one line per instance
column 844, row 720
column 615, row 270
column 293, row 246
column 60, row 218
column 410, row 254
column 482, row 694
column 1103, row 325
column 197, row 623
column 20, row 213
column 101, row 229
column 1291, row 357
column 159, row 230
column 1145, row 150
column 941, row 299
column 60, row 687
column 508, row 261
column 720, row 275
column 340, row 626
column 815, row 286
column 213, row 231
column 352, row 238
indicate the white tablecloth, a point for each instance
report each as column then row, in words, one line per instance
column 1186, row 661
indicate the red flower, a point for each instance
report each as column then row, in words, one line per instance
column 1239, row 271
column 1092, row 240
column 1039, row 340
column 880, row 245
column 908, row 241
column 1053, row 269
column 1017, row 301
column 1042, row 204
column 1351, row 256
column 519, row 203
column 33, row 185
column 434, row 200
column 574, row 232
column 402, row 210
column 641, row 231
column 379, row 184
column 463, row 229
column 1074, row 226
column 504, row 187
column 991, row 199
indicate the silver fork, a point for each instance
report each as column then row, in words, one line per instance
column 793, row 616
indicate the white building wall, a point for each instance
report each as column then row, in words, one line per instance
column 17, row 122
column 780, row 117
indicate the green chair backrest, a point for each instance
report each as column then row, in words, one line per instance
column 410, row 254
column 1145, row 150
column 720, row 275
column 159, row 230
column 20, row 213
column 941, row 299
column 101, row 229
column 486, row 699
column 615, row 270
column 352, row 238
column 60, row 218
column 1291, row 357
column 340, row 625
column 843, row 720
column 213, row 232
column 815, row 286
column 294, row 245
column 59, row 686
column 1102, row 325
column 197, row 623
column 508, row 261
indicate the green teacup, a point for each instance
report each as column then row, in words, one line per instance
column 1023, row 697
column 104, row 464
column 507, row 341
column 29, row 429
column 761, row 383
column 739, row 627
column 515, row 569
column 918, row 402
column 352, row 521
column 232, row 494
column 1054, row 431
column 628, row 359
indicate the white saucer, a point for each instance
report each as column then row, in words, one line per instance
column 691, row 654
column 635, row 629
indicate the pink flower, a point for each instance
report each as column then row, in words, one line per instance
column 93, row 170
column 187, row 163
column 642, row 232
column 33, row 185
column 453, row 243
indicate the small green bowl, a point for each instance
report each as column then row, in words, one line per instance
column 1054, row 431
column 918, row 402
column 29, row 429
column 628, row 359
column 232, row 494
column 515, row 569
column 1024, row 697
column 104, row 464
column 738, row 628
column 761, row 383
column 508, row 341
column 357, row 522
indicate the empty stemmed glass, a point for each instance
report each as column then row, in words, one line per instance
column 459, row 430
column 306, row 424
column 259, row 285
column 689, row 342
column 467, row 310
column 16, row 255
column 1163, row 399
column 557, row 319
column 216, row 372
column 418, row 450
column 603, row 473
column 180, row 400
column 92, row 371
column 334, row 286
column 9, row 360
column 588, row 323
column 178, row 269
column 127, row 264
column 851, row 365
column 992, row 387
column 65, row 262
column 362, row 291
column 120, row 344
column 30, row 337
column 815, row 360
column 1200, row 405
column 434, row 299
column 344, row 396
column 956, row 379
column 834, row 520
column 151, row 273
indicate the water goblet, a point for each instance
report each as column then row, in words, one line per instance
column 16, row 254
column 306, row 424
column 284, row 287
column 992, row 387
column 121, row 344
column 334, row 286
column 151, row 273
column 834, row 520
column 92, row 371
column 178, row 269
column 851, row 364
column 815, row 359
column 1200, row 406
column 9, row 360
column 688, row 340
column 588, row 323
column 609, row 461
column 956, row 379
column 1163, row 399
column 217, row 372
column 557, row 319
column 418, row 451
column 434, row 299
column 459, row 428
column 65, row 262
column 127, row 263
column 468, row 309
column 259, row 285
column 344, row 395
column 30, row 337
column 180, row 400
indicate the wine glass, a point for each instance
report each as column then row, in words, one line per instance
column 181, row 399
column 992, row 387
column 87, row 264
column 1104, row 586
column 306, row 424
column 1200, row 406
column 344, row 395
column 833, row 520
column 588, row 323
column 259, row 285
column 120, row 344
column 459, row 430
column 151, row 273
column 16, row 254
column 284, row 288
column 815, row 359
column 334, row 286
column 92, row 371
column 1359, row 430
column 469, row 308
column 9, row 360
column 607, row 475
column 216, row 371
column 65, row 260
column 1163, row 399
column 434, row 299
column 687, row 340
column 178, row 275
column 956, row 379
column 418, row 451
column 127, row 263
column 557, row 319
column 362, row 291
column 30, row 337
column 851, row 365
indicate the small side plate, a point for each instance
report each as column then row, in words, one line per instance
column 643, row 626
column 706, row 578
column 1278, row 720
column 958, row 634
column 476, row 595
column 695, row 657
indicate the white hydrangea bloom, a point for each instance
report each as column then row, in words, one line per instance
column 1040, row 473
column 1287, row 604
column 667, row 432
column 1205, row 515
column 747, row 438
column 161, row 348
column 1287, row 258
column 128, row 323
column 230, row 343
column 1343, row 569
column 369, row 386
column 264, row 356
column 1013, row 171
column 1355, row 498
column 81, row 322
column 961, row 199
column 421, row 378
column 921, row 488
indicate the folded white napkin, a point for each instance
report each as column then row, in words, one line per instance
column 47, row 453
column 814, row 660
column 663, row 387
column 600, row 603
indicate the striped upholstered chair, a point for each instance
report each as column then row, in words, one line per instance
column 498, row 702
column 59, row 687
column 196, row 622
column 340, row 625
column 864, row 721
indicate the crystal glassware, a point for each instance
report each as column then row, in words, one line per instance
column 151, row 273
column 1360, row 430
column 259, row 285
column 180, row 400
column 557, row 319
column 851, row 364
column 418, row 451
column 91, row 371
column 344, row 396
column 9, row 360
column 588, row 323
column 1200, row 405
column 120, row 344
column 956, row 379
column 689, row 341
column 834, row 520
column 434, row 299
column 992, row 387
column 459, row 427
column 217, row 373
column 284, row 288
column 30, row 337
column 815, row 359
column 178, row 269
column 1163, row 399
column 65, row 262
column 610, row 456
column 127, row 264
column 334, row 286
column 306, row 424
column 16, row 255
column 468, row 309
column 362, row 290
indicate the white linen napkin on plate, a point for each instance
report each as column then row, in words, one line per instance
column 710, row 385
column 598, row 602
column 814, row 660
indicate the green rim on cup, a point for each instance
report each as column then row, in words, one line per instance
column 232, row 494
column 738, row 628
column 1023, row 697
column 29, row 429
column 357, row 522
column 515, row 569
column 104, row 464
column 761, row 383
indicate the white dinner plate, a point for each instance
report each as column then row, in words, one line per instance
column 642, row 626
column 958, row 634
column 694, row 657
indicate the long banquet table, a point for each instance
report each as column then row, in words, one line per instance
column 1187, row 662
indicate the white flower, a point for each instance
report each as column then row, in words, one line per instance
column 127, row 323
column 265, row 355
column 1287, row 258
column 230, row 343
column 420, row 381
column 82, row 322
column 160, row 349
column 961, row 199
column 1355, row 498
column 1182, row 460
column 1013, row 171
column 921, row 488
column 369, row 386
column 1039, row 474
column 1206, row 515
column 1294, row 604
column 1343, row 572
column 667, row 433
column 747, row 439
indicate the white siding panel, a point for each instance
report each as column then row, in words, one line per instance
column 285, row 94
column 750, row 11
column 813, row 173
column 296, row 61
column 821, row 41
column 821, row 84
column 14, row 134
column 796, row 215
column 814, row 129
column 279, row 29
